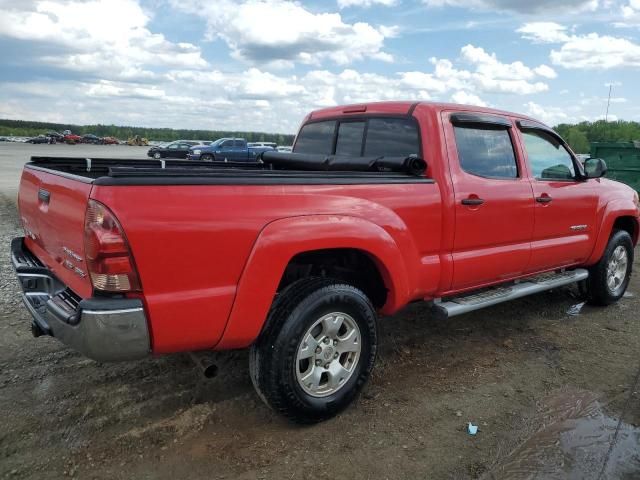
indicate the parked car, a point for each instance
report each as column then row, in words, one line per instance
column 295, row 258
column 177, row 149
column 39, row 139
column 55, row 136
column 71, row 138
column 227, row 149
column 92, row 139
column 110, row 141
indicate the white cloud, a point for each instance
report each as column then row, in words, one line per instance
column 488, row 75
column 255, row 99
column 519, row 6
column 489, row 66
column 467, row 98
column 594, row 51
column 366, row 3
column 545, row 71
column 631, row 11
column 549, row 115
column 292, row 34
column 590, row 51
column 109, row 37
column 544, row 32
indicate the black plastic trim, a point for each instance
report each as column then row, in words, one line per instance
column 461, row 118
column 107, row 303
column 412, row 108
column 266, row 178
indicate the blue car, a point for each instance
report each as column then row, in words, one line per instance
column 227, row 150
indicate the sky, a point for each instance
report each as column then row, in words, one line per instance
column 262, row 65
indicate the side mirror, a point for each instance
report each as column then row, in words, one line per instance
column 595, row 168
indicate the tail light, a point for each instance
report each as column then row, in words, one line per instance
column 107, row 252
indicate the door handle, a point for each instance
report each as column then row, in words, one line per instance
column 544, row 199
column 472, row 201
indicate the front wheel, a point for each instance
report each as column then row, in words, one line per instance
column 317, row 351
column 609, row 278
column 207, row 157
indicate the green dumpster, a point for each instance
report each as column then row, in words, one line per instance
column 623, row 161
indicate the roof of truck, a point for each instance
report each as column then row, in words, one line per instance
column 405, row 107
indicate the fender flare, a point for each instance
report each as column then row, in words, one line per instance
column 281, row 240
column 612, row 211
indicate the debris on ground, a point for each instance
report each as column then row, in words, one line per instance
column 575, row 310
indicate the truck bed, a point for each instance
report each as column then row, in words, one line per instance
column 117, row 171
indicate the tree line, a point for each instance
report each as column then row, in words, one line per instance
column 24, row 128
column 579, row 136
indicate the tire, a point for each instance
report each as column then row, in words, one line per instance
column 275, row 364
column 617, row 260
column 157, row 155
column 207, row 157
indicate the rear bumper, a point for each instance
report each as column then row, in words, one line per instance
column 104, row 329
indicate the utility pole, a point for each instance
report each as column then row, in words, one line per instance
column 606, row 116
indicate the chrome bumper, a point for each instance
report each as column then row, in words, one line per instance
column 104, row 329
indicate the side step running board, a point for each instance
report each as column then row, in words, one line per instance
column 492, row 296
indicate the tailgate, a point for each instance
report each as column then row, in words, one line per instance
column 52, row 210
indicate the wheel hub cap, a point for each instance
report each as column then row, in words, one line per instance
column 617, row 270
column 328, row 354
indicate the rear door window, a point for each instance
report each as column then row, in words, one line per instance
column 486, row 151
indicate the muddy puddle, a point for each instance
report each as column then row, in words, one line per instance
column 577, row 440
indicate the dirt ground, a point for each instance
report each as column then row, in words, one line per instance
column 554, row 395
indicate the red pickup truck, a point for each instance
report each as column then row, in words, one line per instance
column 295, row 256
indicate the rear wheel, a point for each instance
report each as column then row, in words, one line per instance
column 609, row 278
column 157, row 155
column 317, row 350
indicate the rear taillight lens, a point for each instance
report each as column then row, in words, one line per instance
column 107, row 252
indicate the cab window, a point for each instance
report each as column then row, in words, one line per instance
column 486, row 151
column 368, row 137
column 350, row 136
column 548, row 157
column 316, row 137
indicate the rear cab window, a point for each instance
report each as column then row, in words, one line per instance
column 361, row 137
column 485, row 147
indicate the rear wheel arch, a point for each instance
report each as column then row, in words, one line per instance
column 353, row 266
column 288, row 240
